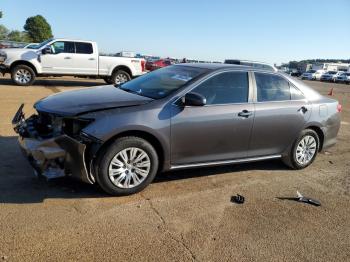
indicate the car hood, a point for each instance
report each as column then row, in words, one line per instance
column 19, row 51
column 71, row 103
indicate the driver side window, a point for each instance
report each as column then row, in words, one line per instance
column 225, row 88
column 62, row 47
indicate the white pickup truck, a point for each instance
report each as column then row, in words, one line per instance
column 61, row 57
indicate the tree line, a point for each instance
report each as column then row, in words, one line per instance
column 36, row 30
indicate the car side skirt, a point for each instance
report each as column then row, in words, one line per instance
column 226, row 162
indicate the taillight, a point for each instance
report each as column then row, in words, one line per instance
column 143, row 64
column 339, row 108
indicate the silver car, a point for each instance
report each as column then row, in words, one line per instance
column 181, row 116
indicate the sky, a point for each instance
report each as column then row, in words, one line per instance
column 273, row 31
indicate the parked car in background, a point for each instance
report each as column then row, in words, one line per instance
column 328, row 76
column 339, row 76
column 59, row 57
column 347, row 81
column 309, row 75
column 254, row 64
column 156, row 64
column 178, row 117
column 295, row 72
column 319, row 73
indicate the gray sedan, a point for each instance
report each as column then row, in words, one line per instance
column 181, row 116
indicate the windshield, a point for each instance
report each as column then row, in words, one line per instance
column 332, row 72
column 38, row 46
column 311, row 71
column 162, row 82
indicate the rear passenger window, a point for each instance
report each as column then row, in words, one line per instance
column 83, row 48
column 271, row 88
column 225, row 88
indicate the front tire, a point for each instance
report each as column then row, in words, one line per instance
column 23, row 75
column 304, row 150
column 127, row 166
column 120, row 77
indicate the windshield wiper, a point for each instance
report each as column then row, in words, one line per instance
column 127, row 90
column 133, row 91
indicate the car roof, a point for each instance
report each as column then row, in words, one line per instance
column 216, row 66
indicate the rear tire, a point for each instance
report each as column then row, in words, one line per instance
column 304, row 150
column 127, row 166
column 120, row 77
column 22, row 75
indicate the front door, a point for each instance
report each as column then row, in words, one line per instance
column 61, row 60
column 218, row 131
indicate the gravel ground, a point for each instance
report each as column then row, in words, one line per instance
column 183, row 215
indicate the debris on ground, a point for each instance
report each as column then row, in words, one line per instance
column 301, row 198
column 238, row 199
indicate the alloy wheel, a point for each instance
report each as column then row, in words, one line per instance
column 306, row 150
column 23, row 76
column 129, row 167
column 120, row 79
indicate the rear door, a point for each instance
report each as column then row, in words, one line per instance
column 281, row 112
column 85, row 59
column 218, row 131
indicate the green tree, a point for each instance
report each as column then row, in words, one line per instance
column 38, row 28
column 18, row 36
column 3, row 32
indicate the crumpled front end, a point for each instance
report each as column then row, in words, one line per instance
column 55, row 145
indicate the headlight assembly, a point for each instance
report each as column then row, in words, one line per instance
column 73, row 126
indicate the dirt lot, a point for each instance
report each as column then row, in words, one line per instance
column 182, row 216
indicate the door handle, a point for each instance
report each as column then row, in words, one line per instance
column 67, row 57
column 91, row 58
column 245, row 113
column 302, row 109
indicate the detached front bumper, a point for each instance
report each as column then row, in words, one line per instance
column 53, row 157
column 56, row 157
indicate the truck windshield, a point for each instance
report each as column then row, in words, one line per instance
column 162, row 82
column 38, row 46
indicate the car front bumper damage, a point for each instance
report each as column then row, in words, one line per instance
column 52, row 157
column 4, row 69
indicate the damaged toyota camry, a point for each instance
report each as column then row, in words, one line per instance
column 181, row 116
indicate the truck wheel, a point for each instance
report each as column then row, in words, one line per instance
column 127, row 166
column 22, row 75
column 119, row 77
column 304, row 150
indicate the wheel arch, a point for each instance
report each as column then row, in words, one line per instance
column 124, row 68
column 320, row 134
column 153, row 140
column 23, row 62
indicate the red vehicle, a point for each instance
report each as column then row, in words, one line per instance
column 156, row 64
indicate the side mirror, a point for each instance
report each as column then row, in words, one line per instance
column 46, row 50
column 194, row 99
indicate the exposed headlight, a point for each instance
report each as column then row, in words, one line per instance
column 73, row 126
